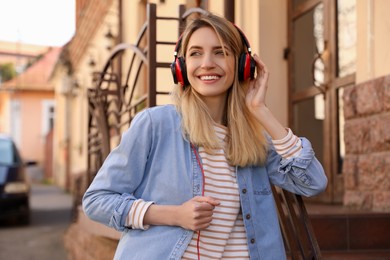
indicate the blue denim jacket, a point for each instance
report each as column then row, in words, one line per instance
column 154, row 162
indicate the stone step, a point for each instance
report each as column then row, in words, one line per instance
column 342, row 230
column 356, row 255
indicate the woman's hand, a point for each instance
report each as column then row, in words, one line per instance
column 196, row 213
column 255, row 97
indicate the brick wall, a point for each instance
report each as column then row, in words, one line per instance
column 366, row 166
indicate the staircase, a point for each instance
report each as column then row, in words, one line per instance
column 345, row 234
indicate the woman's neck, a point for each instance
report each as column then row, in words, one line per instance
column 216, row 108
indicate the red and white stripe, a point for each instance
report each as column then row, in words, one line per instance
column 225, row 238
column 288, row 147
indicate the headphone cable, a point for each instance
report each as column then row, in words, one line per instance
column 204, row 183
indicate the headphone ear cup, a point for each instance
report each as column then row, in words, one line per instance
column 241, row 66
column 252, row 67
column 246, row 67
column 183, row 72
column 179, row 72
column 173, row 70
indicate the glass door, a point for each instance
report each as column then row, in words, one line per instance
column 321, row 64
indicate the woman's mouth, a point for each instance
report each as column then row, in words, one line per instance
column 209, row 77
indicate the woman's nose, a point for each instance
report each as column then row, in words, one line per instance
column 208, row 61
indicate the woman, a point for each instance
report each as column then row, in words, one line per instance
column 192, row 181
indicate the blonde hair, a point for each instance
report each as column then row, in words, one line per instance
column 246, row 143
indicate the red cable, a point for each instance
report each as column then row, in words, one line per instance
column 204, row 183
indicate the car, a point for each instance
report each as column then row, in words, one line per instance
column 14, row 185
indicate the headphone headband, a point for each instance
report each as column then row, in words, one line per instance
column 243, row 37
column 177, row 46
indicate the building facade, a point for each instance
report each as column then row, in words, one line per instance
column 27, row 107
column 330, row 80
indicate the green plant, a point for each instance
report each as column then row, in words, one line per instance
column 7, row 72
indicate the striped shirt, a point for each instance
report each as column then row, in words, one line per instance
column 225, row 238
column 288, row 147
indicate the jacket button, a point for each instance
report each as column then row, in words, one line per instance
column 244, row 191
column 248, row 216
column 253, row 241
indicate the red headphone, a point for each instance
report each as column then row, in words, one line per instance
column 246, row 63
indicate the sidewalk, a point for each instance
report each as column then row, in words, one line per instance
column 43, row 238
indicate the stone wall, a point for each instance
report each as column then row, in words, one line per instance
column 366, row 166
column 89, row 240
column 83, row 245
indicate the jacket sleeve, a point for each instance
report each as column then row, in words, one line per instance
column 303, row 175
column 110, row 196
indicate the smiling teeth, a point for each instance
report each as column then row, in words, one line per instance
column 209, row 77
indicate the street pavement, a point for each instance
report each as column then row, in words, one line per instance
column 42, row 239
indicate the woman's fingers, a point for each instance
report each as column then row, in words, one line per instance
column 197, row 212
column 258, row 86
column 262, row 72
column 207, row 199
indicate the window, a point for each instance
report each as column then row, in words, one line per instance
column 8, row 153
column 48, row 116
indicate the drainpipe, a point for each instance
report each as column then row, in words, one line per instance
column 229, row 10
column 68, row 135
column 120, row 36
column 120, row 22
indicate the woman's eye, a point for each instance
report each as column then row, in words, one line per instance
column 195, row 53
column 220, row 52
